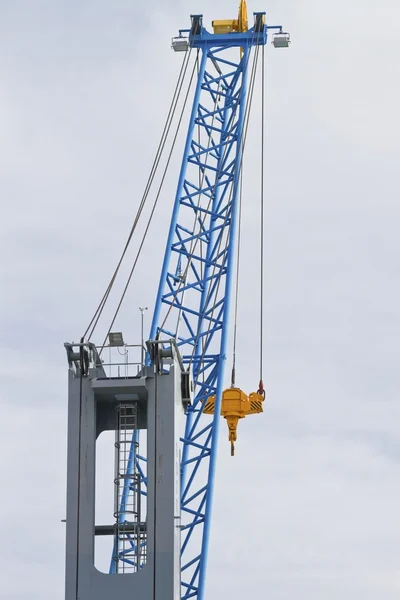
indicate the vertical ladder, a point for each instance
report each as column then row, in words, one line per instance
column 130, row 546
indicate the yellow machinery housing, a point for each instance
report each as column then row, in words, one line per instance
column 235, row 405
column 230, row 25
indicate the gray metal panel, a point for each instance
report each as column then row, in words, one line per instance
column 168, row 412
column 110, row 392
column 91, row 406
column 83, row 580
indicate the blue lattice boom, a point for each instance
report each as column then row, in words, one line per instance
column 196, row 281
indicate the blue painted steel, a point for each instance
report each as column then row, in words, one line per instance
column 195, row 287
column 235, row 40
column 128, row 488
column 175, row 212
column 224, row 333
column 196, row 281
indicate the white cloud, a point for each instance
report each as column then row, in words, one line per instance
column 309, row 504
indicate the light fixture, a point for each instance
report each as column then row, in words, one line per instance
column 116, row 339
column 281, row 40
column 180, row 44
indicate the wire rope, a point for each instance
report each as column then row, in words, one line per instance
column 196, row 218
column 152, row 210
column 197, row 239
column 262, row 202
column 243, row 141
column 233, row 376
column 238, row 269
column 164, row 136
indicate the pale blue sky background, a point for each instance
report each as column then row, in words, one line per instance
column 309, row 506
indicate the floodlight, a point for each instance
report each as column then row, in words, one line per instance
column 180, row 44
column 281, row 40
column 116, row 339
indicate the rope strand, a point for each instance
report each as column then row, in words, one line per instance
column 237, row 279
column 249, row 101
column 164, row 136
column 153, row 208
column 262, row 216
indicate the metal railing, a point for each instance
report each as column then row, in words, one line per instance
column 122, row 361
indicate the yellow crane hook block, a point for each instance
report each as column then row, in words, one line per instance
column 235, row 405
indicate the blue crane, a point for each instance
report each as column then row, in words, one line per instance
column 194, row 296
column 196, row 288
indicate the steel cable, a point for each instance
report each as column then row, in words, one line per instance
column 243, row 141
column 197, row 238
column 152, row 210
column 164, row 136
column 262, row 214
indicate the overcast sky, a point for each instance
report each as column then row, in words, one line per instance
column 308, row 508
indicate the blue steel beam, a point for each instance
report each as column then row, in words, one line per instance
column 193, row 300
column 200, row 250
column 196, row 307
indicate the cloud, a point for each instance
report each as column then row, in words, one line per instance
column 308, row 507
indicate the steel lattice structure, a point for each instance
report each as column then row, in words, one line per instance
column 194, row 294
column 193, row 300
column 196, row 280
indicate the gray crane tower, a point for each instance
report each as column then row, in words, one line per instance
column 154, row 399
